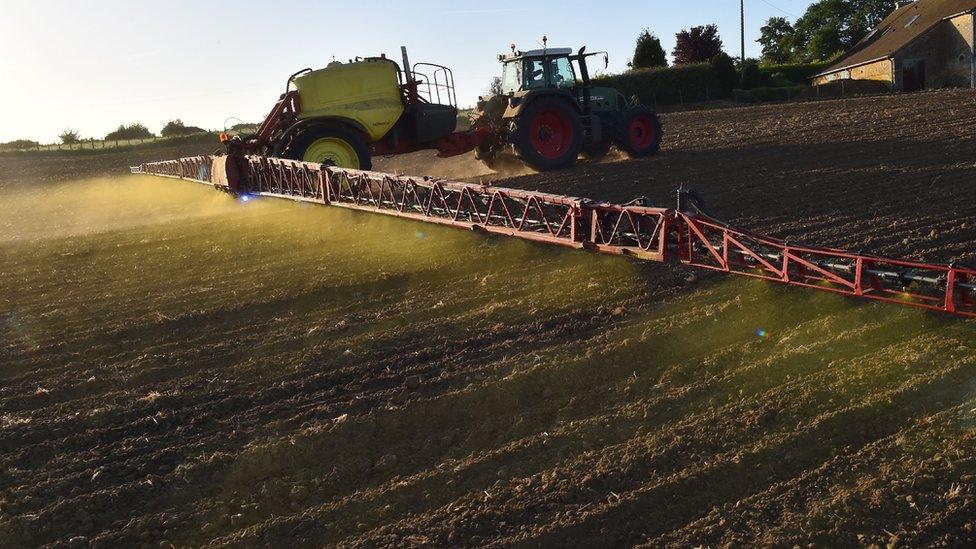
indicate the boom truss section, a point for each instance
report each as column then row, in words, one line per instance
column 683, row 234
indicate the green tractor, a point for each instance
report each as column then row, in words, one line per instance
column 548, row 113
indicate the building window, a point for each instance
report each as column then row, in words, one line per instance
column 912, row 20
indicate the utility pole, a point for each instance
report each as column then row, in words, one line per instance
column 742, row 28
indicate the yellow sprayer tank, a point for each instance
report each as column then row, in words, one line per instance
column 365, row 91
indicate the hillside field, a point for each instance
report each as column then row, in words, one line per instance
column 180, row 368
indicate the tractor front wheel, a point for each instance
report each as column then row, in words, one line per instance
column 639, row 133
column 548, row 134
column 331, row 146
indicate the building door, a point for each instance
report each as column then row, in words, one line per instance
column 913, row 77
column 908, row 79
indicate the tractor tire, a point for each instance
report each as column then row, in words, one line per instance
column 596, row 151
column 548, row 134
column 331, row 146
column 639, row 133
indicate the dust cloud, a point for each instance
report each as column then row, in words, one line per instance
column 464, row 167
column 99, row 205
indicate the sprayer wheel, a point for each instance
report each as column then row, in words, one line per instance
column 331, row 146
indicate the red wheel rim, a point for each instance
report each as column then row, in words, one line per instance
column 551, row 133
column 641, row 131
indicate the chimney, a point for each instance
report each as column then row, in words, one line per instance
column 902, row 3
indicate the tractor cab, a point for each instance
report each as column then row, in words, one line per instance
column 537, row 69
column 556, row 69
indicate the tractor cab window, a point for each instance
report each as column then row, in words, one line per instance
column 538, row 73
column 511, row 77
column 552, row 72
column 561, row 71
column 535, row 74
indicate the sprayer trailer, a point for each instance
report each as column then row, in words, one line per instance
column 547, row 114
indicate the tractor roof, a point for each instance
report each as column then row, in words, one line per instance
column 549, row 52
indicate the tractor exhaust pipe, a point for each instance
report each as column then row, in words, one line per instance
column 406, row 65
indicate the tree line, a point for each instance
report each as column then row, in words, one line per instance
column 702, row 71
column 127, row 132
column 701, row 44
column 826, row 30
column 695, row 45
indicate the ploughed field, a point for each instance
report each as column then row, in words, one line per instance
column 177, row 367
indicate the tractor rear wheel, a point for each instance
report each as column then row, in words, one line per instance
column 331, row 146
column 548, row 134
column 639, row 133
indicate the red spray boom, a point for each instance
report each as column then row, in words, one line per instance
column 683, row 234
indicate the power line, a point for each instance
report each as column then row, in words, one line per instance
column 775, row 7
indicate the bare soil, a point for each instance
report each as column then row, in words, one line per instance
column 182, row 369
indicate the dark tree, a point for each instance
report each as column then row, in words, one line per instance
column 827, row 28
column 245, row 127
column 777, row 41
column 820, row 32
column 69, row 137
column 19, row 145
column 865, row 15
column 176, row 127
column 648, row 52
column 831, row 26
column 495, row 86
column 132, row 131
column 698, row 45
column 752, row 77
column 724, row 68
column 825, row 42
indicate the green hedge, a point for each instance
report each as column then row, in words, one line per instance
column 846, row 88
column 695, row 83
column 762, row 94
column 801, row 73
column 667, row 85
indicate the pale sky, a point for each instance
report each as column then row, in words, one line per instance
column 92, row 65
